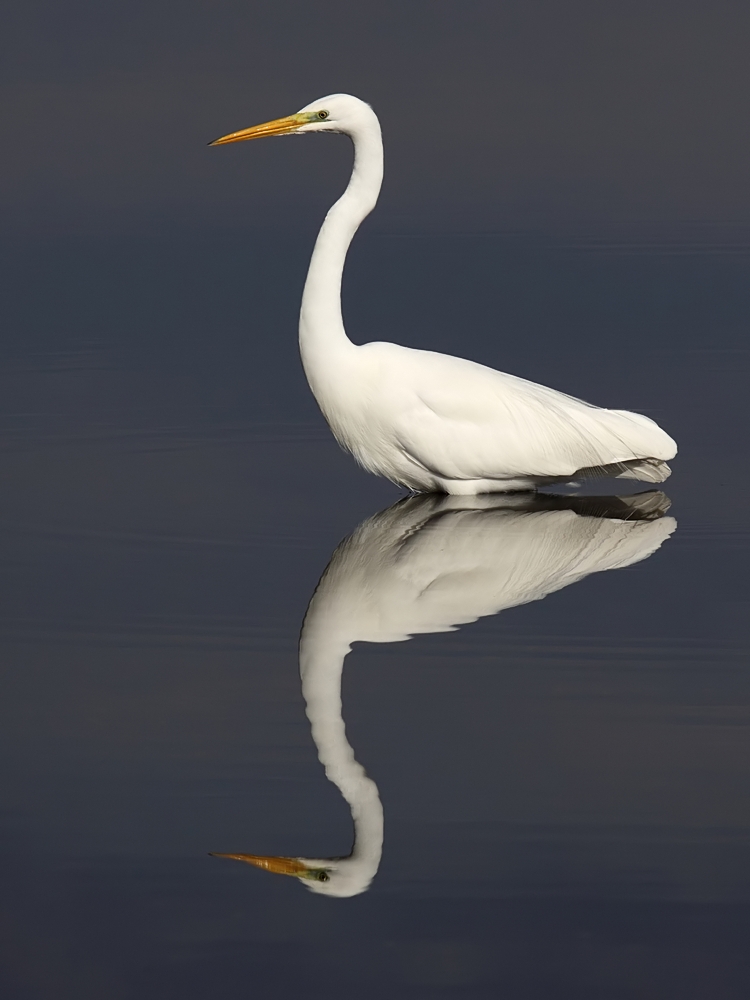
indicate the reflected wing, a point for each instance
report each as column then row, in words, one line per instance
column 429, row 564
column 474, row 564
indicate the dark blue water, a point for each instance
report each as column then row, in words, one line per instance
column 564, row 784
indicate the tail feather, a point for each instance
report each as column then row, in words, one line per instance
column 645, row 470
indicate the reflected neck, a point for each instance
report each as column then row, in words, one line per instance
column 321, row 667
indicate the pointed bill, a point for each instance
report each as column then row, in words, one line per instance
column 279, row 126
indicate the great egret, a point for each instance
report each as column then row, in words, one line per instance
column 428, row 564
column 427, row 421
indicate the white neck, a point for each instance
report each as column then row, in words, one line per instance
column 322, row 337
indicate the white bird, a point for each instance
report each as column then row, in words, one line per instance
column 429, row 564
column 427, row 421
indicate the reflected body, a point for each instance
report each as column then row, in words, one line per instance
column 428, row 421
column 429, row 564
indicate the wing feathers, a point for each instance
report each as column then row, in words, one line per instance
column 465, row 421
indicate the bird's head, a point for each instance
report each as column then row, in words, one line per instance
column 327, row 876
column 335, row 113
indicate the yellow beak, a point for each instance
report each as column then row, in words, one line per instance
column 279, row 866
column 279, row 126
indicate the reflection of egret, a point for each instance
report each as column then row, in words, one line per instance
column 428, row 564
column 428, row 421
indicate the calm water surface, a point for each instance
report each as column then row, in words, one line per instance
column 556, row 798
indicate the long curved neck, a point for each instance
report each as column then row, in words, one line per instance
column 321, row 665
column 321, row 326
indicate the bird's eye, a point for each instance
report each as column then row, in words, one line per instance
column 323, row 115
column 322, row 876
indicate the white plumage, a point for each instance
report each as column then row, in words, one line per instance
column 432, row 422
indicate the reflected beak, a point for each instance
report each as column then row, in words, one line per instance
column 279, row 866
column 280, row 126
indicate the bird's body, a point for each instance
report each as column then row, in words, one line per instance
column 436, row 423
column 432, row 422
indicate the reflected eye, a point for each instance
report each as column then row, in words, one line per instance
column 323, row 115
column 322, row 876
